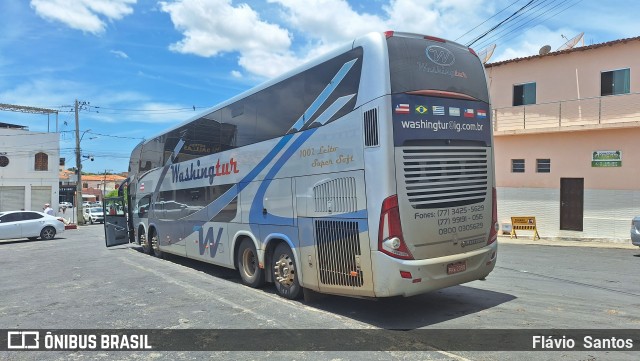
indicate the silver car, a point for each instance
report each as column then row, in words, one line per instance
column 29, row 224
column 635, row 231
column 93, row 215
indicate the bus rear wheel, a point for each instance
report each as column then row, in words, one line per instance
column 155, row 246
column 285, row 275
column 144, row 241
column 248, row 264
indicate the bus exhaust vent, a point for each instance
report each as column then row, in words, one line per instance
column 338, row 247
column 371, row 128
column 439, row 177
column 336, row 196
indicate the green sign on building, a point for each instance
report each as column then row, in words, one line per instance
column 606, row 158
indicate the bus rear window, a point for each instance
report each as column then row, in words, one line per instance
column 421, row 64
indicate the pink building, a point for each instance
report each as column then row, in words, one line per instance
column 567, row 139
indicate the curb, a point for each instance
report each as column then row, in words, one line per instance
column 560, row 242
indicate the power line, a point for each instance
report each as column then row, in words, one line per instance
column 505, row 37
column 500, row 23
column 482, row 23
column 540, row 7
column 115, row 136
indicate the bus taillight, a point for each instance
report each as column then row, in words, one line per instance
column 390, row 239
column 493, row 233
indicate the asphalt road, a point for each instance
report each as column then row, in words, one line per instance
column 75, row 282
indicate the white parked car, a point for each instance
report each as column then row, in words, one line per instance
column 29, row 224
column 635, row 231
column 93, row 215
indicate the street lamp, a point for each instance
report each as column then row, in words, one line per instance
column 79, row 178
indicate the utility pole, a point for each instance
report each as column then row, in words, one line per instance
column 79, row 170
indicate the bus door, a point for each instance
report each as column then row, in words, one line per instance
column 115, row 222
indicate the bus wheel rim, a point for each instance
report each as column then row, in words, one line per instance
column 249, row 264
column 154, row 242
column 144, row 241
column 285, row 270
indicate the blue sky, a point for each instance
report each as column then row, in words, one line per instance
column 143, row 65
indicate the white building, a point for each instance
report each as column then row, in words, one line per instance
column 28, row 169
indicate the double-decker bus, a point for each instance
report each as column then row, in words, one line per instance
column 368, row 172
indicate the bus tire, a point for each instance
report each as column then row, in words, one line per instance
column 285, row 275
column 248, row 264
column 155, row 246
column 144, row 242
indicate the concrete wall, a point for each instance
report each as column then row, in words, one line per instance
column 20, row 147
column 570, row 154
column 565, row 76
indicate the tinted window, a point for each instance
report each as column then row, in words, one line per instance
column 11, row 217
column 143, row 206
column 265, row 115
column 134, row 161
column 177, row 204
column 152, row 154
column 524, row 94
column 615, row 82
column 420, row 64
column 31, row 215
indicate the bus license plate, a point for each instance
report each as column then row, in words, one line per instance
column 456, row 267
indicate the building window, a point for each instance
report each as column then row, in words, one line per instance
column 4, row 161
column 517, row 165
column 524, row 94
column 543, row 165
column 42, row 162
column 615, row 82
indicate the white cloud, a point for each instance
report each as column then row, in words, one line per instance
column 211, row 27
column 530, row 42
column 236, row 74
column 119, row 54
column 86, row 15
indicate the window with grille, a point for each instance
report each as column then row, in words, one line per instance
column 517, row 165
column 42, row 162
column 543, row 165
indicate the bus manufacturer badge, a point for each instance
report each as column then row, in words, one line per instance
column 439, row 55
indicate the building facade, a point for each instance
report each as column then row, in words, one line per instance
column 567, row 139
column 28, row 169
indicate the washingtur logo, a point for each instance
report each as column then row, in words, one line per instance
column 440, row 55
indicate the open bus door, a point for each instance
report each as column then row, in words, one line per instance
column 115, row 221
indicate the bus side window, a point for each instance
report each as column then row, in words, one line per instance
column 143, row 206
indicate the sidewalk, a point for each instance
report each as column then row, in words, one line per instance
column 563, row 242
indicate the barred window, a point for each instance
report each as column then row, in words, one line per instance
column 543, row 165
column 517, row 165
column 42, row 162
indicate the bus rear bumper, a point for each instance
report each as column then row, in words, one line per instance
column 411, row 277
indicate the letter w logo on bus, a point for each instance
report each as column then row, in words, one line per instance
column 439, row 55
column 208, row 241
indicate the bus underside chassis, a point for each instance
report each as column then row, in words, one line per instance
column 281, row 265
